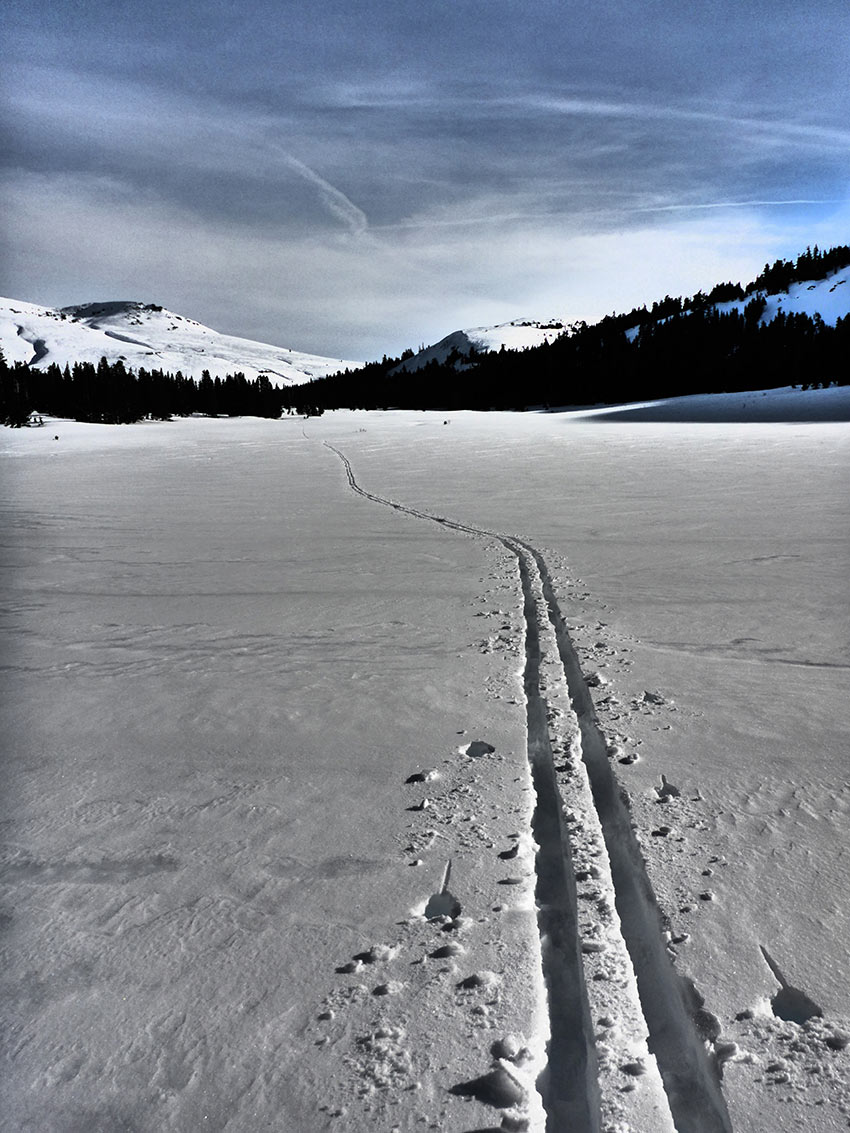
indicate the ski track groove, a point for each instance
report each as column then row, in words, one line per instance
column 603, row 947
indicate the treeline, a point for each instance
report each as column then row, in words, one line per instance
column 109, row 393
column 677, row 346
column 774, row 278
column 696, row 351
column 811, row 264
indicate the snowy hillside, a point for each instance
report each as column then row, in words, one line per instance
column 516, row 335
column 829, row 297
column 149, row 336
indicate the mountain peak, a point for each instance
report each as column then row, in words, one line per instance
column 148, row 336
column 105, row 310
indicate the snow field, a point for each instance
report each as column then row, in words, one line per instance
column 246, row 744
column 715, row 636
column 215, row 871
column 583, row 1081
column 576, row 822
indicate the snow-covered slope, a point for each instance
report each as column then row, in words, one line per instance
column 516, row 335
column 829, row 297
column 149, row 336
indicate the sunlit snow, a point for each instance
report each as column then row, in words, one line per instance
column 270, row 825
column 146, row 336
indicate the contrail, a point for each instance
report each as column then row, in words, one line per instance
column 733, row 205
column 336, row 202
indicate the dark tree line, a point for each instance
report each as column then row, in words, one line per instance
column 774, row 278
column 694, row 351
column 677, row 346
column 811, row 264
column 109, row 393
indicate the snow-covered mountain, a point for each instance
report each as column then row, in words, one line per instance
column 145, row 335
column 149, row 336
column 516, row 335
column 828, row 297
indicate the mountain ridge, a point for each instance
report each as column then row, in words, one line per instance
column 811, row 297
column 147, row 336
column 789, row 327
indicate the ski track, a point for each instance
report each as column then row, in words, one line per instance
column 616, row 1004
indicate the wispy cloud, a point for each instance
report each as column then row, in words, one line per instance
column 800, row 132
column 336, row 202
column 418, row 171
column 95, row 240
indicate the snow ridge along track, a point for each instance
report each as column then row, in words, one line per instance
column 625, row 1049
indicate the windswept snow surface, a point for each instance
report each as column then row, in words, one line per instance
column 339, row 780
column 144, row 335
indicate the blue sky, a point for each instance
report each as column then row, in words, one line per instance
column 356, row 177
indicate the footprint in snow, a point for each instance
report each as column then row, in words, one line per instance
column 790, row 1003
column 667, row 791
column 476, row 749
column 423, row 776
column 596, row 680
column 498, row 1089
column 447, row 951
column 443, row 903
column 652, row 698
column 511, row 1049
column 378, row 953
column 483, row 979
column 391, row 988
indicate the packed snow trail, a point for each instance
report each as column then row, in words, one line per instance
column 569, row 1085
column 673, row 1009
column 604, row 956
